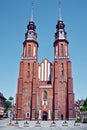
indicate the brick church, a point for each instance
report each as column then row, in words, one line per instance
column 47, row 87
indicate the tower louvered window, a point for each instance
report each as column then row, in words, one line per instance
column 29, row 50
column 62, row 53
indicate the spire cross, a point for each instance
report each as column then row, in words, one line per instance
column 60, row 18
column 32, row 11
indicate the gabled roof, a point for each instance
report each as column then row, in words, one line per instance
column 44, row 61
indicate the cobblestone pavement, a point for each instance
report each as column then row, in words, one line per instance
column 45, row 125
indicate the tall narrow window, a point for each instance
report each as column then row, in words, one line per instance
column 24, row 51
column 62, row 64
column 28, row 72
column 66, row 50
column 28, row 66
column 28, row 75
column 34, row 51
column 44, row 98
column 39, row 71
column 56, row 50
column 62, row 50
column 29, row 50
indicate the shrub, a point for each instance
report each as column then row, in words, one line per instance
column 37, row 122
column 26, row 122
column 16, row 122
column 85, row 120
column 53, row 122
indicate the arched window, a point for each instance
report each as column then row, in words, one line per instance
column 27, row 115
column 44, row 96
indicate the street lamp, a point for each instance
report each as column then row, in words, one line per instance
column 10, row 116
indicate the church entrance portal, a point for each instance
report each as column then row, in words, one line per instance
column 44, row 116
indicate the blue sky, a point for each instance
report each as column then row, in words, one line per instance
column 14, row 17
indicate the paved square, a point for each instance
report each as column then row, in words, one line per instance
column 45, row 125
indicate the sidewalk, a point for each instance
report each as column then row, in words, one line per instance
column 44, row 125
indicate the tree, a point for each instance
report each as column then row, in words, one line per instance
column 36, row 114
column 85, row 103
column 84, row 107
column 7, row 104
column 11, row 99
column 52, row 115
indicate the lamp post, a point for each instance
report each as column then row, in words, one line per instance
column 10, row 123
column 10, row 117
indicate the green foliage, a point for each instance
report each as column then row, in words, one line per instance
column 37, row 122
column 7, row 104
column 85, row 103
column 52, row 115
column 26, row 122
column 36, row 114
column 84, row 107
column 11, row 98
column 16, row 122
column 53, row 122
column 85, row 120
column 65, row 121
column 78, row 120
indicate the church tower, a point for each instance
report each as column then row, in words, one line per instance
column 63, row 82
column 28, row 74
column 46, row 88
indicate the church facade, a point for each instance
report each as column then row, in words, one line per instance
column 45, row 89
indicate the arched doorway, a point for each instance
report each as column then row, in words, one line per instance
column 44, row 116
column 62, row 116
